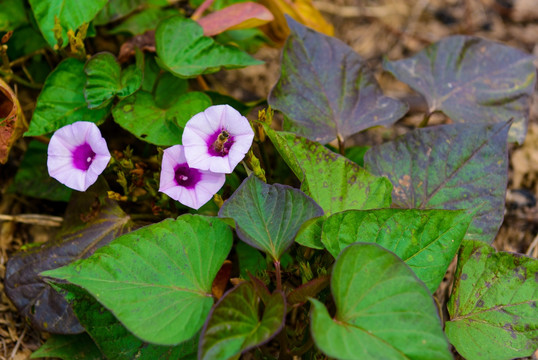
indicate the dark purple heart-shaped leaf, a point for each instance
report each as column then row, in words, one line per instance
column 326, row 90
column 458, row 166
column 88, row 225
column 472, row 80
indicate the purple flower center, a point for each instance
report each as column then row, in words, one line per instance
column 219, row 143
column 186, row 176
column 83, row 156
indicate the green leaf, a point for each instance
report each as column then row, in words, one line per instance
column 62, row 101
column 169, row 89
column 333, row 181
column 235, row 324
column 32, row 178
column 157, row 279
column 356, row 154
column 12, row 15
column 143, row 21
column 69, row 347
column 140, row 115
column 310, row 233
column 458, row 166
column 250, row 260
column 114, row 340
column 117, row 9
column 185, row 51
column 492, row 309
column 472, row 80
column 151, row 73
column 326, row 90
column 249, row 40
column 71, row 14
column 382, row 310
column 426, row 240
column 24, row 41
column 105, row 79
column 268, row 216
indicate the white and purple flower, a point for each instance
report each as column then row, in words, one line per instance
column 191, row 187
column 217, row 139
column 77, row 155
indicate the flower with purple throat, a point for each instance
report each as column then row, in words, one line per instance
column 217, row 139
column 77, row 155
column 191, row 187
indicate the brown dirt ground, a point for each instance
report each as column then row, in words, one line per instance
column 373, row 28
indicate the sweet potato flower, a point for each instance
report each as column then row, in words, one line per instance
column 191, row 187
column 217, row 139
column 77, row 155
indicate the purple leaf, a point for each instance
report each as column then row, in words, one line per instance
column 326, row 90
column 472, row 80
column 46, row 309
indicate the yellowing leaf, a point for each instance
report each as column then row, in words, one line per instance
column 302, row 11
column 12, row 121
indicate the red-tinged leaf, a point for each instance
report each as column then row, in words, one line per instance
column 88, row 226
column 237, row 323
column 12, row 121
column 234, row 17
column 221, row 280
column 310, row 289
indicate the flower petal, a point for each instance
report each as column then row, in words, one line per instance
column 189, row 195
column 61, row 153
column 207, row 125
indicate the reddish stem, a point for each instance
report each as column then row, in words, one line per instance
column 278, row 276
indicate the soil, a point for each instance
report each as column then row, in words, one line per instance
column 374, row 29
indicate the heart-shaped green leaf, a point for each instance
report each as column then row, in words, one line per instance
column 334, row 182
column 235, row 324
column 382, row 310
column 112, row 338
column 472, row 80
column 141, row 116
column 157, row 280
column 326, row 90
column 268, row 216
column 62, row 101
column 185, row 51
column 426, row 240
column 459, row 166
column 493, row 307
column 69, row 347
column 105, row 79
column 71, row 15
